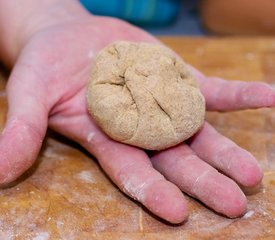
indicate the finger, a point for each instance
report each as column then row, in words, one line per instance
column 26, row 124
column 225, row 155
column 131, row 170
column 181, row 166
column 225, row 95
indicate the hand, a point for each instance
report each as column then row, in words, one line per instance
column 47, row 88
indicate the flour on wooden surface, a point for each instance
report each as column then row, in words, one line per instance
column 250, row 56
column 99, row 226
column 86, row 176
column 249, row 214
column 42, row 236
column 51, row 152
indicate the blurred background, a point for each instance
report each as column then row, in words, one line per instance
column 192, row 17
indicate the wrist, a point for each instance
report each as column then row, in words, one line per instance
column 19, row 21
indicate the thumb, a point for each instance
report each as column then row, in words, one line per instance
column 26, row 124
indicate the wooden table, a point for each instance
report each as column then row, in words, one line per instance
column 67, row 196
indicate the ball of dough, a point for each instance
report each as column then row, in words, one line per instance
column 143, row 95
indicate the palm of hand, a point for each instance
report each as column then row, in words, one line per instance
column 47, row 87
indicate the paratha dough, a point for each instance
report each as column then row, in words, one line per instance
column 143, row 95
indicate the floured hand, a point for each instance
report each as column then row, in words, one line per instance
column 47, row 87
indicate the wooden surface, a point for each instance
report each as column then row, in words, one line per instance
column 67, row 196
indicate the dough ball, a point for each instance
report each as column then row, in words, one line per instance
column 143, row 95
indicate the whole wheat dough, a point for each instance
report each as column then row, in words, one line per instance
column 141, row 94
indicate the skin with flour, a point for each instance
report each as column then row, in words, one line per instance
column 49, row 45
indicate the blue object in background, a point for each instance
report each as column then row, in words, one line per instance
column 187, row 23
column 141, row 12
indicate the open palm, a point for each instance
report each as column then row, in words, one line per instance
column 47, row 87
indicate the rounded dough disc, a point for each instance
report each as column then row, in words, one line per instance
column 142, row 94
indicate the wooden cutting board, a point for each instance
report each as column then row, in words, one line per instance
column 67, row 196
